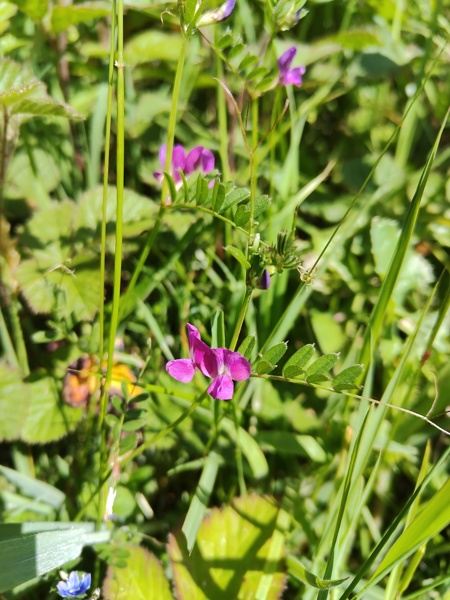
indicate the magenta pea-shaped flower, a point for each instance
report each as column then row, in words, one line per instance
column 198, row 159
column 288, row 76
column 223, row 366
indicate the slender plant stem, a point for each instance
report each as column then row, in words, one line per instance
column 241, row 317
column 105, row 180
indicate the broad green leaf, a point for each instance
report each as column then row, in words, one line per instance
column 47, row 418
column 35, row 9
column 296, row 569
column 262, row 203
column 432, row 519
column 45, row 107
column 65, row 16
column 233, row 196
column 13, row 403
column 229, row 558
column 238, row 255
column 152, row 45
column 12, row 95
column 32, row 176
column 200, row 500
column 247, row 346
column 26, row 552
column 38, row 490
column 141, row 577
column 242, row 215
column 346, row 378
column 295, row 365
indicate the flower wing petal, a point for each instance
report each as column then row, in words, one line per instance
column 237, row 365
column 181, row 369
column 222, row 388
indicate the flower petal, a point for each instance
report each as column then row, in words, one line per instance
column 285, row 60
column 193, row 159
column 162, row 155
column 294, row 76
column 178, row 158
column 207, row 161
column 62, row 589
column 264, row 282
column 218, row 14
column 222, row 388
column 73, row 581
column 182, row 369
column 237, row 365
column 85, row 583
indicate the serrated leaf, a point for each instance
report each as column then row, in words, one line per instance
column 264, row 366
column 237, row 540
column 346, row 378
column 296, row 569
column 274, row 354
column 238, row 255
column 12, row 95
column 298, row 360
column 140, row 576
column 242, row 215
column 247, row 346
column 128, row 443
column 47, row 419
column 322, row 365
column 65, row 16
column 233, row 196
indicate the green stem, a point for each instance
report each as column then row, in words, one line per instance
column 222, row 116
column 105, row 180
column 241, row 317
column 165, row 190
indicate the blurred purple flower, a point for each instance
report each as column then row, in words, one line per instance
column 264, row 281
column 217, row 15
column 290, row 76
column 199, row 158
column 220, row 364
column 74, row 586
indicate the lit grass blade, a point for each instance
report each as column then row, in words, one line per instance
column 199, row 503
column 375, row 325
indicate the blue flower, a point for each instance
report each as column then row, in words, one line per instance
column 74, row 586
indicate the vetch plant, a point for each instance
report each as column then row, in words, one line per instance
column 198, row 159
column 220, row 364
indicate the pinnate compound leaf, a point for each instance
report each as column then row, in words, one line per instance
column 247, row 346
column 297, row 570
column 142, row 577
column 346, row 378
column 295, row 365
column 229, row 558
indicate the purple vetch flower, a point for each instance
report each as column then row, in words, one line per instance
column 264, row 281
column 230, row 366
column 198, row 159
column 290, row 76
column 220, row 364
column 217, row 15
column 200, row 357
column 74, row 586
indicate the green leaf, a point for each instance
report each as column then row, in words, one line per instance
column 247, row 346
column 275, row 353
column 45, row 107
column 345, row 380
column 134, row 425
column 13, row 95
column 261, row 204
column 13, row 404
column 242, row 215
column 65, row 16
column 233, row 196
column 152, row 45
column 33, row 488
column 432, row 519
column 142, row 576
column 237, row 541
column 201, row 191
column 296, row 569
column 235, row 50
column 238, row 255
column 295, row 365
column 247, row 62
column 225, row 41
column 47, row 418
column 35, row 9
column 128, row 443
column 264, row 366
column 218, row 329
column 287, row 442
column 200, row 500
column 317, row 370
column 30, row 550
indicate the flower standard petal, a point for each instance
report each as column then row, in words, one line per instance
column 222, row 388
column 208, row 161
column 73, row 582
column 193, row 159
column 285, row 60
column 181, row 369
